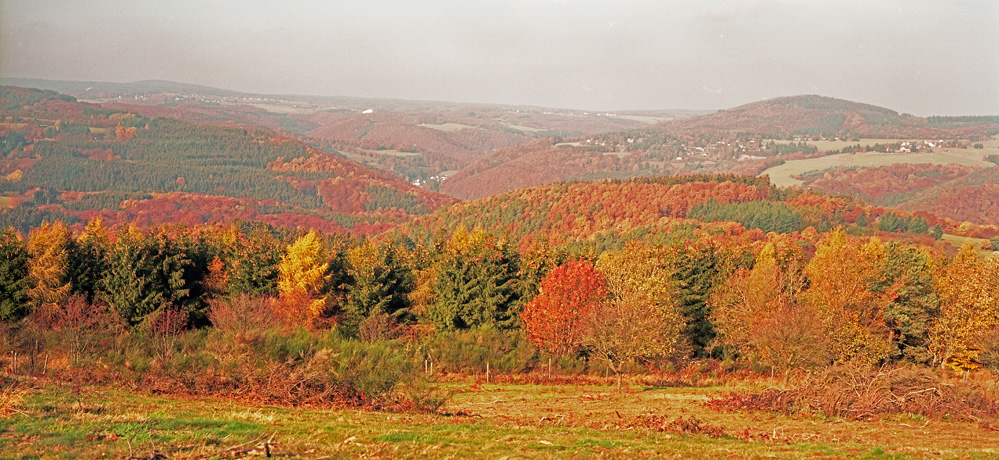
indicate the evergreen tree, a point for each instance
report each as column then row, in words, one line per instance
column 380, row 284
column 477, row 284
column 145, row 273
column 88, row 260
column 13, row 276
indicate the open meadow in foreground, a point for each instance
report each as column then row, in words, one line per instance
column 479, row 421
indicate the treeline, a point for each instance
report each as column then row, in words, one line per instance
column 14, row 98
column 660, row 297
column 602, row 212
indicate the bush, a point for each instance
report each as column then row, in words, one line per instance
column 241, row 314
column 865, row 393
column 468, row 351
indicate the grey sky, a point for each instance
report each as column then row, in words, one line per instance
column 923, row 57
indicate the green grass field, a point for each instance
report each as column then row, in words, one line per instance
column 782, row 175
column 447, row 127
column 487, row 421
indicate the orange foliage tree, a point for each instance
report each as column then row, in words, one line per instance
column 557, row 319
column 302, row 280
column 757, row 312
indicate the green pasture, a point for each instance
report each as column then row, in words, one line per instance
column 781, row 175
column 481, row 421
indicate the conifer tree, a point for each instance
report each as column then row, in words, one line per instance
column 13, row 276
column 302, row 279
column 380, row 282
column 48, row 260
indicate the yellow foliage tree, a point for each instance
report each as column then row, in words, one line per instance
column 48, row 259
column 641, row 320
column 302, row 280
column 853, row 315
column 968, row 288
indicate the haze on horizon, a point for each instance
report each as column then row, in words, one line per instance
column 924, row 57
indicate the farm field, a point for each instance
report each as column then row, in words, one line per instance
column 781, row 175
column 447, row 127
column 485, row 421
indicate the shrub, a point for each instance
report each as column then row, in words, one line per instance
column 241, row 314
column 468, row 351
column 866, row 393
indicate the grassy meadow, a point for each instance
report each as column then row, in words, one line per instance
column 506, row 420
column 781, row 175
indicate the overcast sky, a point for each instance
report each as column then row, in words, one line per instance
column 925, row 57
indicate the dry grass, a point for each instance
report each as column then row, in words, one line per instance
column 856, row 393
column 12, row 396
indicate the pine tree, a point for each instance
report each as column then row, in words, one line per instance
column 13, row 276
column 476, row 284
column 380, row 284
column 48, row 260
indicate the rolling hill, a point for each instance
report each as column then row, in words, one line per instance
column 75, row 160
column 605, row 214
column 422, row 141
column 812, row 115
column 962, row 193
column 745, row 140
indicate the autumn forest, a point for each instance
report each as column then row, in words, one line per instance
column 194, row 250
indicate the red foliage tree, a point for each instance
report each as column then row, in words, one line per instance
column 557, row 318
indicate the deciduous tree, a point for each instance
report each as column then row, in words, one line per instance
column 758, row 313
column 557, row 319
column 840, row 277
column 302, row 279
column 968, row 288
column 640, row 321
column 48, row 264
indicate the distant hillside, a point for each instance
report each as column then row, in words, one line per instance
column 743, row 140
column 812, row 115
column 962, row 193
column 65, row 158
column 422, row 141
column 603, row 214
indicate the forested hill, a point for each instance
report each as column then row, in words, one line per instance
column 962, row 192
column 62, row 159
column 743, row 140
column 603, row 214
column 812, row 115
